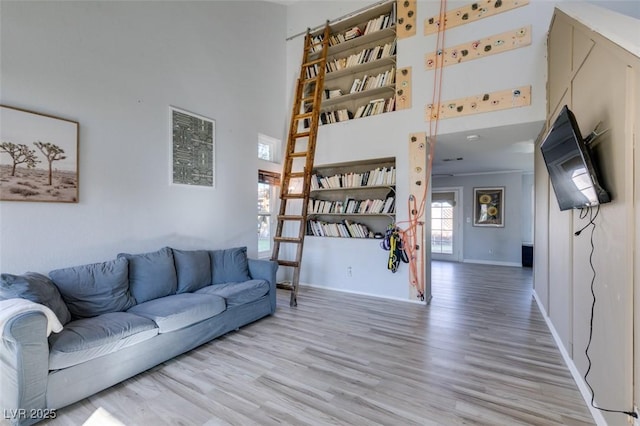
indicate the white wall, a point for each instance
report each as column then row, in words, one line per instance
column 597, row 78
column 387, row 135
column 527, row 208
column 115, row 67
column 499, row 246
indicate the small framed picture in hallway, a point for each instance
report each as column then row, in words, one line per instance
column 488, row 207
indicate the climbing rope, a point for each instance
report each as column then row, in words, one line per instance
column 410, row 238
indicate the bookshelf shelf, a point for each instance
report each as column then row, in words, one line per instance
column 343, row 202
column 354, row 188
column 391, row 215
column 337, row 49
column 371, row 93
column 370, row 55
column 384, row 63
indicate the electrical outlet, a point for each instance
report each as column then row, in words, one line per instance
column 349, row 271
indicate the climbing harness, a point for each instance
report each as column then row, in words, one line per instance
column 392, row 242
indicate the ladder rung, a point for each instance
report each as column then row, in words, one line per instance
column 301, row 135
column 308, row 99
column 290, row 196
column 298, row 154
column 310, row 63
column 290, row 217
column 291, row 263
column 310, row 80
column 296, row 175
column 288, row 240
column 284, row 286
column 303, row 115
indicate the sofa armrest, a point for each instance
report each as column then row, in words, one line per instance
column 265, row 270
column 24, row 368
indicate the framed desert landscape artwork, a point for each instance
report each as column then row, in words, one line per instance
column 192, row 149
column 38, row 157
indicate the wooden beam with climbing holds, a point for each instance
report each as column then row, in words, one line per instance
column 486, row 102
column 403, row 88
column 418, row 164
column 480, row 48
column 406, row 21
column 471, row 13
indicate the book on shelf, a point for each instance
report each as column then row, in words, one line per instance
column 352, row 33
column 380, row 176
column 343, row 229
column 352, row 206
column 335, row 116
column 374, row 107
column 317, row 42
column 366, row 55
column 389, row 205
column 382, row 22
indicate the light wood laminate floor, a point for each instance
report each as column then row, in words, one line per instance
column 481, row 353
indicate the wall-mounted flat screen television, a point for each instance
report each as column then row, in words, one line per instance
column 573, row 173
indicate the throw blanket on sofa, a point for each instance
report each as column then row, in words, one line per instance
column 11, row 307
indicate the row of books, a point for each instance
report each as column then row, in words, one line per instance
column 369, row 82
column 380, row 176
column 311, row 71
column 344, row 229
column 381, row 22
column 376, row 106
column 352, row 206
column 364, row 56
column 335, row 116
column 329, row 117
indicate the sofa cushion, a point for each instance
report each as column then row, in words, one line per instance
column 36, row 288
column 193, row 268
column 89, row 338
column 229, row 265
column 238, row 293
column 94, row 289
column 151, row 275
column 180, row 310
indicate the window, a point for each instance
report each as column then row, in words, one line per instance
column 268, row 183
column 267, row 147
column 442, row 227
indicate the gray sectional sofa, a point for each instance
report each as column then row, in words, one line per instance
column 119, row 318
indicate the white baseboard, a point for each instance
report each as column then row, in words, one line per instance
column 579, row 379
column 362, row 293
column 493, row 262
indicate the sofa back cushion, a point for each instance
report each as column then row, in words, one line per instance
column 95, row 289
column 229, row 265
column 151, row 275
column 36, row 288
column 193, row 268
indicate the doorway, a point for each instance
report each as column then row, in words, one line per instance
column 446, row 224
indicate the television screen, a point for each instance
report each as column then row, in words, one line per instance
column 573, row 174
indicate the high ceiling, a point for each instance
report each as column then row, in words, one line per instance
column 496, row 149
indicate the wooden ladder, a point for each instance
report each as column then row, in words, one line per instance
column 298, row 161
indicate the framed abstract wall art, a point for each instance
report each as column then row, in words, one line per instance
column 38, row 157
column 488, row 207
column 192, row 149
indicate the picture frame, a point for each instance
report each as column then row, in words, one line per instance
column 192, row 149
column 488, row 207
column 38, row 157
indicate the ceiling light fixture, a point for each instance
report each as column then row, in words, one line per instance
column 473, row 137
